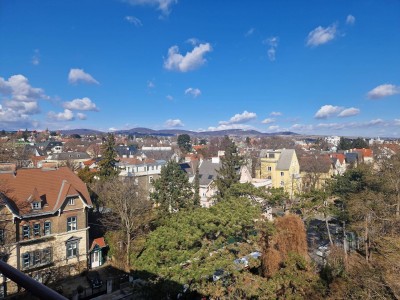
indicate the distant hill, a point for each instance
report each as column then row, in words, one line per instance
column 141, row 131
column 81, row 131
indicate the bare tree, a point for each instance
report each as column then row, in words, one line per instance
column 125, row 209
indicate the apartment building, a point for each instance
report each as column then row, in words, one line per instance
column 43, row 223
column 281, row 167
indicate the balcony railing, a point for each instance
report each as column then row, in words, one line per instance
column 35, row 288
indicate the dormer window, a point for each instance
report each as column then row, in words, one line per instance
column 36, row 205
column 71, row 201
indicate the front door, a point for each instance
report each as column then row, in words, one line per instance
column 96, row 261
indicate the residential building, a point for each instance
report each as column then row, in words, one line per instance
column 282, row 167
column 208, row 171
column 43, row 223
column 143, row 170
column 315, row 171
column 74, row 159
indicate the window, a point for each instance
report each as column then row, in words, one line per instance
column 25, row 260
column 71, row 223
column 36, row 258
column 2, row 236
column 150, row 179
column 25, row 231
column 36, row 205
column 72, row 249
column 46, row 255
column 269, row 177
column 210, row 176
column 282, row 183
column 47, row 228
column 71, row 201
column 36, row 229
column 271, row 155
column 282, row 173
column 269, row 168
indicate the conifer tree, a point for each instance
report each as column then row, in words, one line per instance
column 172, row 190
column 229, row 172
column 196, row 186
column 107, row 165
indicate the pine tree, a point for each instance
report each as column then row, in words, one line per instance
column 172, row 189
column 184, row 142
column 196, row 186
column 229, row 172
column 107, row 165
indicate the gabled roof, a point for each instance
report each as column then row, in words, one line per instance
column 285, row 159
column 208, row 172
column 52, row 186
column 99, row 242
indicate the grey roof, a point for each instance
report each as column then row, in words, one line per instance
column 126, row 150
column 285, row 159
column 69, row 155
column 351, row 157
column 208, row 172
column 47, row 145
column 157, row 154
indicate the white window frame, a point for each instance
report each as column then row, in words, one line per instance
column 72, row 249
column 47, row 228
column 36, row 205
column 71, row 201
column 72, row 223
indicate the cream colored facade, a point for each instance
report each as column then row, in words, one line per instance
column 282, row 168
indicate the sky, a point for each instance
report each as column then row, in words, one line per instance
column 312, row 67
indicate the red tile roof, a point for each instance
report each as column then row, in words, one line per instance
column 99, row 241
column 51, row 186
column 340, row 156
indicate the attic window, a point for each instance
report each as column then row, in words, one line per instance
column 36, row 205
column 210, row 176
column 271, row 155
column 71, row 201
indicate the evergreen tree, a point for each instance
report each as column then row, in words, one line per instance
column 196, row 186
column 107, row 165
column 184, row 142
column 229, row 172
column 172, row 189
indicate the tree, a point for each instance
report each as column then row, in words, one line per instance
column 172, row 190
column 86, row 175
column 196, row 187
column 229, row 171
column 184, row 142
column 107, row 165
column 127, row 210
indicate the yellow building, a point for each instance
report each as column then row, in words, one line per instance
column 282, row 167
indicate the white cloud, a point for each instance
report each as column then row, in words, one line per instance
column 348, row 112
column 383, row 90
column 327, row 111
column 375, row 122
column 249, row 32
column 268, row 121
column 272, row 42
column 275, row 114
column 79, row 75
column 36, row 58
column 230, row 126
column 11, row 119
column 274, row 128
column 240, row 118
column 190, row 61
column 162, row 5
column 151, row 84
column 81, row 116
column 174, row 123
column 66, row 115
column 112, row 129
column 169, row 97
column 193, row 41
column 321, row 35
column 133, row 20
column 28, row 108
column 301, row 127
column 18, row 87
column 81, row 104
column 350, row 20
column 193, row 92
column 396, row 122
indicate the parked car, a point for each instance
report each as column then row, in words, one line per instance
column 94, row 279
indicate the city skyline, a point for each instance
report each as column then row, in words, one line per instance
column 312, row 67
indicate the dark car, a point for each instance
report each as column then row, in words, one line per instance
column 94, row 279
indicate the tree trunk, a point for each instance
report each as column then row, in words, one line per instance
column 345, row 244
column 128, row 250
column 366, row 243
column 328, row 230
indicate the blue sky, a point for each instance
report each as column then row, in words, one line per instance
column 317, row 67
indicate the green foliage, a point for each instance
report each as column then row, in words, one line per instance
column 196, row 187
column 184, row 142
column 172, row 190
column 107, row 165
column 346, row 144
column 180, row 248
column 229, row 172
column 86, row 175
